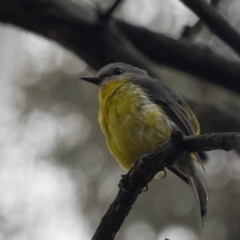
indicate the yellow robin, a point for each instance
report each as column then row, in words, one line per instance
column 138, row 113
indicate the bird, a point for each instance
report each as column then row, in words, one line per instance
column 138, row 113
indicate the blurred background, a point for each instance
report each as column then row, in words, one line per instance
column 57, row 177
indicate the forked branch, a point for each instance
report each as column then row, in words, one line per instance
column 215, row 22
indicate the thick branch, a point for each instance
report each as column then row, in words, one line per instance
column 77, row 28
column 145, row 168
column 215, row 22
column 185, row 56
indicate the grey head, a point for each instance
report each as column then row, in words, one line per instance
column 117, row 71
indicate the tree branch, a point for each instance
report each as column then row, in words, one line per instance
column 191, row 31
column 133, row 183
column 110, row 11
column 185, row 56
column 78, row 28
column 215, row 22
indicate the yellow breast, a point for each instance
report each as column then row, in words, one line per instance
column 132, row 124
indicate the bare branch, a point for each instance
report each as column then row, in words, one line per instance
column 191, row 31
column 111, row 9
column 185, row 56
column 81, row 34
column 145, row 169
column 77, row 28
column 215, row 22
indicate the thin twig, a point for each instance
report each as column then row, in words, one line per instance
column 215, row 22
column 190, row 32
column 107, row 15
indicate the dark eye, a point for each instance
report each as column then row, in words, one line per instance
column 118, row 71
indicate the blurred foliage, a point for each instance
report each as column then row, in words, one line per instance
column 57, row 177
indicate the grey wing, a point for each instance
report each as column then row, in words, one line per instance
column 170, row 101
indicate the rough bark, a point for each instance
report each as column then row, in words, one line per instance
column 145, row 169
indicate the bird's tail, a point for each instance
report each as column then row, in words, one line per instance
column 200, row 193
column 185, row 169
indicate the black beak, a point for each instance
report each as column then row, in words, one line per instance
column 94, row 80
